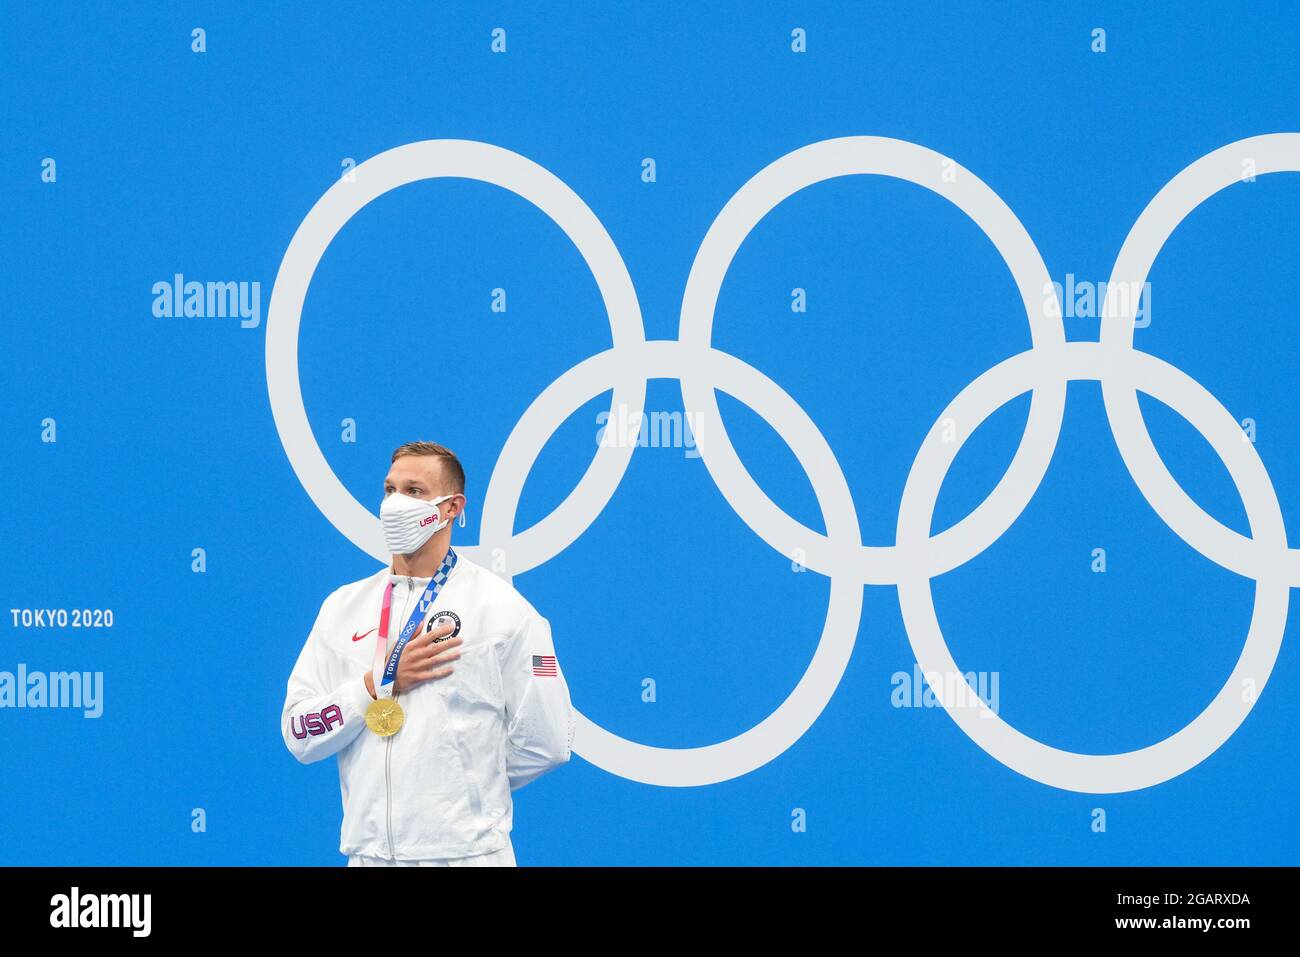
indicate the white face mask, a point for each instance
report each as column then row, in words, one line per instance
column 409, row 522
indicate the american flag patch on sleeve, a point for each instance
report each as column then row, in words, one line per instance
column 544, row 666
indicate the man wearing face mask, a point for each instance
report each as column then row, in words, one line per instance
column 434, row 681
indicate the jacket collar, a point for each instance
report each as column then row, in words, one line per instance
column 386, row 574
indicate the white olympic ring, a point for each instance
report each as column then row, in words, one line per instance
column 916, row 557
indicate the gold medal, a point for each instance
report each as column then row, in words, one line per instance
column 384, row 717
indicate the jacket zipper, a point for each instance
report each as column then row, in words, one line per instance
column 388, row 742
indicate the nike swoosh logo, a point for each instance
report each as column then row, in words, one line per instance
column 356, row 637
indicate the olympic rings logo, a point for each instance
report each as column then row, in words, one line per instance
column 916, row 556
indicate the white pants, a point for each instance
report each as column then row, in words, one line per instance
column 505, row 857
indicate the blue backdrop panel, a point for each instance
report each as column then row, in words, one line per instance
column 130, row 158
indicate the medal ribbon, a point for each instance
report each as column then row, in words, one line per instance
column 383, row 688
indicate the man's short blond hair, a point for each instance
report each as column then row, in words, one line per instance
column 451, row 467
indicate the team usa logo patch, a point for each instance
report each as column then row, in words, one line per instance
column 544, row 666
column 442, row 618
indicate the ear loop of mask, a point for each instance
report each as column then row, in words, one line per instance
column 462, row 511
column 461, row 521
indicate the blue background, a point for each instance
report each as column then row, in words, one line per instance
column 171, row 161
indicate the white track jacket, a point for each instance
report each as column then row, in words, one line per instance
column 442, row 785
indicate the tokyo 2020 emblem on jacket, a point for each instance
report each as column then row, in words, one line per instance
column 442, row 785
